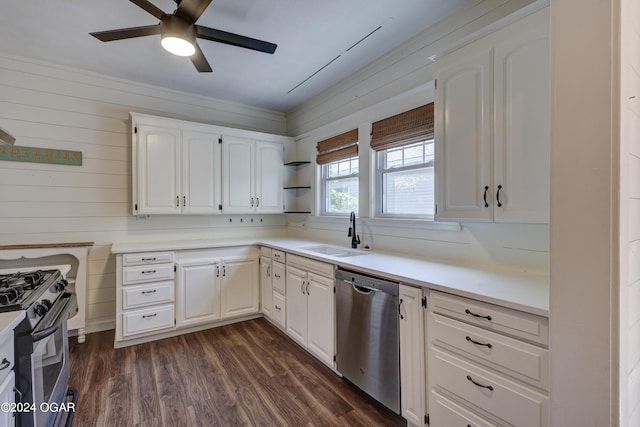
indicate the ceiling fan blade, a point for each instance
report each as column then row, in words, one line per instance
column 235, row 39
column 191, row 10
column 200, row 62
column 127, row 33
column 149, row 7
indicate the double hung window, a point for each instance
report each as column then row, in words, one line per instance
column 405, row 168
column 338, row 158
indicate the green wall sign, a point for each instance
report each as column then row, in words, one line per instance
column 15, row 153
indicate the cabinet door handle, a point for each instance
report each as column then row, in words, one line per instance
column 217, row 271
column 488, row 387
column 5, row 364
column 224, row 270
column 268, row 271
column 486, row 188
column 302, row 287
column 468, row 338
column 149, row 316
column 177, row 201
column 257, row 201
column 148, row 272
column 184, row 201
column 498, row 196
column 477, row 315
column 400, row 309
column 252, row 202
column 307, row 287
column 153, row 291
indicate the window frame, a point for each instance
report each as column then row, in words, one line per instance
column 324, row 179
column 380, row 171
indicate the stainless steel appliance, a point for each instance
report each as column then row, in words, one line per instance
column 41, row 345
column 368, row 344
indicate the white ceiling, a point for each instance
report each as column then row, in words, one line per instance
column 309, row 33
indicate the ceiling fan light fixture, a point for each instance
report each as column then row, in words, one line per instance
column 178, row 36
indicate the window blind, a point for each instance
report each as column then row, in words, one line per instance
column 339, row 147
column 405, row 128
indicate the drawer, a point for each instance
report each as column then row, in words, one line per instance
column 311, row 265
column 445, row 412
column 7, row 357
column 279, row 310
column 143, row 295
column 147, row 258
column 265, row 251
column 277, row 255
column 148, row 320
column 147, row 273
column 526, row 362
column 278, row 277
column 494, row 393
column 500, row 319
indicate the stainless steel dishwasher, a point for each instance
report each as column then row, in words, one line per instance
column 367, row 335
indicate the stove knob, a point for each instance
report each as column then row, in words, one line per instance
column 47, row 303
column 40, row 309
column 61, row 285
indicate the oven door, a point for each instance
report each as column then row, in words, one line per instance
column 50, row 361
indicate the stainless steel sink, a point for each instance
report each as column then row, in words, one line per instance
column 334, row 251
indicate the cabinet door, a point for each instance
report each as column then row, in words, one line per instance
column 296, row 302
column 463, row 136
column 320, row 317
column 412, row 355
column 198, row 299
column 521, row 134
column 240, row 287
column 7, row 396
column 237, row 175
column 266, row 286
column 158, row 153
column 269, row 177
column 200, row 173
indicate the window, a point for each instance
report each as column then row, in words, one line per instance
column 405, row 147
column 406, row 180
column 340, row 186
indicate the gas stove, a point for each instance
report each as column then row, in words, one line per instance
column 34, row 291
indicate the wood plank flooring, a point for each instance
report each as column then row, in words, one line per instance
column 245, row 374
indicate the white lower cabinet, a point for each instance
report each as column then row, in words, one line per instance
column 8, row 396
column 210, row 285
column 272, row 286
column 310, row 306
column 198, row 292
column 412, row 355
column 487, row 365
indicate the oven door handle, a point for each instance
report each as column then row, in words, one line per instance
column 52, row 325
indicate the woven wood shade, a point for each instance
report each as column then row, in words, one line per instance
column 405, row 128
column 339, row 147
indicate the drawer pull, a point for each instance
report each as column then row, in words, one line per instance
column 277, row 276
column 477, row 315
column 149, row 259
column 148, row 316
column 5, row 364
column 277, row 308
column 149, row 272
column 489, row 387
column 468, row 338
column 153, row 291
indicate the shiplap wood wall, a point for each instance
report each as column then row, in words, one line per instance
column 44, row 105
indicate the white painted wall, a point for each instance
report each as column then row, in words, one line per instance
column 584, row 213
column 629, row 300
column 44, row 105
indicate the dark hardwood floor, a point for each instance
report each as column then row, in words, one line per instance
column 245, row 374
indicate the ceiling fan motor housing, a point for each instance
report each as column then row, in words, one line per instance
column 174, row 26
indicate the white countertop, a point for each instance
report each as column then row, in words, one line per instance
column 525, row 291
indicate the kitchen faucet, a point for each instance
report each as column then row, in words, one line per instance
column 355, row 239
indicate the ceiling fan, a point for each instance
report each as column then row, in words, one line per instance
column 179, row 32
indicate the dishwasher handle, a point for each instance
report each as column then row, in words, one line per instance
column 360, row 288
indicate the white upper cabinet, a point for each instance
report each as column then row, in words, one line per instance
column 176, row 170
column 252, row 176
column 158, row 153
column 200, row 173
column 492, row 126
